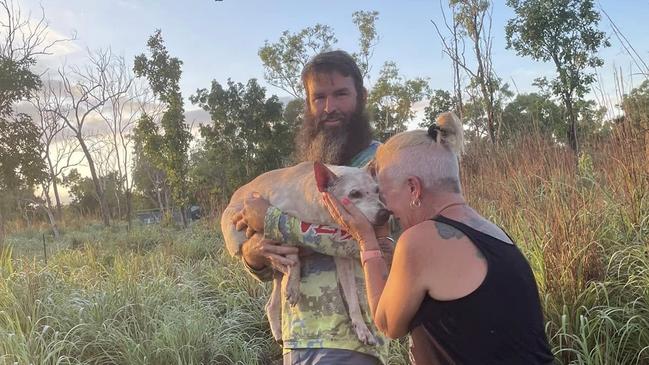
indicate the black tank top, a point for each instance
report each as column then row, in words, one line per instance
column 501, row 322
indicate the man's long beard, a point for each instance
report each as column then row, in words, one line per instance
column 333, row 145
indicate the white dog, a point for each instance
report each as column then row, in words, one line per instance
column 296, row 191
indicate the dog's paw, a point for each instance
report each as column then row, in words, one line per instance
column 363, row 333
column 292, row 294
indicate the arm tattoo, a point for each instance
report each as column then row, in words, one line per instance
column 446, row 231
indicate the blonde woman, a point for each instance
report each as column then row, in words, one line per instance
column 457, row 284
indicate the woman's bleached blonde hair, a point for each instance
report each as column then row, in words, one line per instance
column 433, row 156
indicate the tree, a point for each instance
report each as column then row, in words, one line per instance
column 563, row 32
column 247, row 137
column 453, row 46
column 391, row 100
column 366, row 23
column 477, row 118
column 284, row 60
column 81, row 96
column 473, row 19
column 441, row 101
column 84, row 197
column 150, row 180
column 163, row 73
column 21, row 166
column 533, row 113
column 120, row 120
column 636, row 107
column 58, row 153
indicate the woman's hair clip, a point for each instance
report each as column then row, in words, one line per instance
column 433, row 130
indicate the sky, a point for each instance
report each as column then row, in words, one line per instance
column 217, row 40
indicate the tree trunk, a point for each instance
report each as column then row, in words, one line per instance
column 129, row 209
column 55, row 187
column 119, row 205
column 572, row 125
column 2, row 232
column 456, row 71
column 48, row 210
column 168, row 207
column 183, row 216
column 483, row 79
column 59, row 210
column 105, row 214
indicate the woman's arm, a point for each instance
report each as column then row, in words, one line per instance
column 394, row 299
column 404, row 288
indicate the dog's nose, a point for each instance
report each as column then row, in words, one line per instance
column 382, row 216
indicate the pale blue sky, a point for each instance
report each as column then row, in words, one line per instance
column 217, row 40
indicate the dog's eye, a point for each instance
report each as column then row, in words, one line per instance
column 355, row 194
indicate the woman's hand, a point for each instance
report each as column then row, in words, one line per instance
column 252, row 216
column 350, row 218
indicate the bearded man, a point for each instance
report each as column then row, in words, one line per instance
column 335, row 130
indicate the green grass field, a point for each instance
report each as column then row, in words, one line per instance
column 159, row 295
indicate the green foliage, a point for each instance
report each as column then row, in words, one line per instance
column 391, row 100
column 366, row 23
column 17, row 82
column 284, row 60
column 21, row 165
column 476, row 116
column 533, row 113
column 563, row 32
column 441, row 101
column 470, row 15
column 148, row 179
column 162, row 70
column 84, row 197
column 171, row 147
column 248, row 136
column 636, row 106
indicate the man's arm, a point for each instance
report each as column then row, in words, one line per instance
column 254, row 262
column 255, row 252
column 332, row 241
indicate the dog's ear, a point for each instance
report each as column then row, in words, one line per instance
column 324, row 177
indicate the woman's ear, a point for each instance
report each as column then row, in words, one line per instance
column 416, row 187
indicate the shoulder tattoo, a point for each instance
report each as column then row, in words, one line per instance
column 447, row 232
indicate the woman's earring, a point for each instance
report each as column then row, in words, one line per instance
column 415, row 203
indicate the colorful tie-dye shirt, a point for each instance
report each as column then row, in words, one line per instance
column 320, row 318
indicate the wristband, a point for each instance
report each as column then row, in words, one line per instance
column 370, row 254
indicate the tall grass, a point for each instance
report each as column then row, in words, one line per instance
column 156, row 295
column 583, row 224
column 146, row 297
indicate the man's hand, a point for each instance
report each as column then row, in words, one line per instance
column 251, row 217
column 259, row 252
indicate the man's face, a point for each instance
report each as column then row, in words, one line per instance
column 335, row 126
column 332, row 99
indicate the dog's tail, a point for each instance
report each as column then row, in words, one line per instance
column 452, row 133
